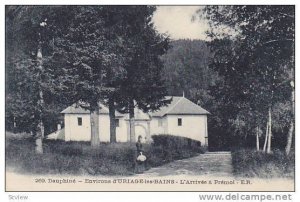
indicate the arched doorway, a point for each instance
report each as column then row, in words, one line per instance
column 140, row 130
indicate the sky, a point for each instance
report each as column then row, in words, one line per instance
column 177, row 22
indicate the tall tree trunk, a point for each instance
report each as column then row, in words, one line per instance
column 290, row 138
column 112, row 117
column 95, row 140
column 131, row 121
column 40, row 127
column 291, row 129
column 257, row 138
column 266, row 137
column 39, row 138
column 270, row 132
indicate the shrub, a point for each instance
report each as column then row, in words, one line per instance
column 167, row 148
column 177, row 143
column 250, row 163
column 79, row 158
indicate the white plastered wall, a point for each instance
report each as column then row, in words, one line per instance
column 74, row 132
column 193, row 126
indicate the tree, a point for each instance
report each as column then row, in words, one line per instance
column 143, row 86
column 186, row 69
column 87, row 55
column 252, row 55
column 93, row 52
column 291, row 129
column 104, row 43
column 31, row 79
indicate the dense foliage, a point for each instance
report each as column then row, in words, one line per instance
column 58, row 55
column 250, row 163
column 186, row 70
column 79, row 158
column 244, row 76
column 255, row 58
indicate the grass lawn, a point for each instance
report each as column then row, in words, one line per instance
column 79, row 158
column 251, row 163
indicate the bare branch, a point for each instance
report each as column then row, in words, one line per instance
column 287, row 15
column 277, row 40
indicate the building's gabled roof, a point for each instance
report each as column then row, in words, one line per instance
column 180, row 106
column 73, row 109
column 77, row 109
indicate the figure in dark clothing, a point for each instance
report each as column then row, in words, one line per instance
column 140, row 157
column 139, row 145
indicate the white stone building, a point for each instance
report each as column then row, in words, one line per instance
column 181, row 117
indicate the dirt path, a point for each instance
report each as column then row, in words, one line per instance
column 208, row 164
column 205, row 167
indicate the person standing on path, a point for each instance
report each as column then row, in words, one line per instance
column 140, row 157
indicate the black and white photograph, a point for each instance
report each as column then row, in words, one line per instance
column 149, row 98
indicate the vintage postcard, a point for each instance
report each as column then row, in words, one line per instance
column 150, row 98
